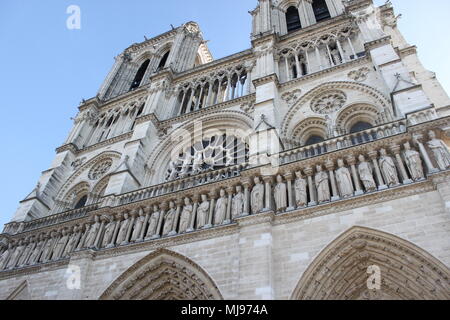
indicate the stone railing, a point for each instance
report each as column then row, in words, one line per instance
column 14, row 227
column 343, row 142
column 422, row 116
column 180, row 184
column 181, row 207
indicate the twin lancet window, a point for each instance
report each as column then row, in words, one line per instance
column 143, row 69
column 320, row 10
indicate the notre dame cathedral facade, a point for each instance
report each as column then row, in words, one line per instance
column 314, row 165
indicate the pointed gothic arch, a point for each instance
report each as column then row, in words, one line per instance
column 372, row 96
column 339, row 272
column 163, row 275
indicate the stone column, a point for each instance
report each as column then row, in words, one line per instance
column 247, row 184
column 351, row 160
column 212, row 207
column 196, row 199
column 396, row 151
column 330, row 167
column 338, row 43
column 423, row 151
column 373, row 155
column 230, row 192
column 312, row 196
column 268, row 193
column 307, row 16
column 289, row 177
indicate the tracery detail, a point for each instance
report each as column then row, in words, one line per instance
column 100, row 169
column 328, row 102
column 211, row 153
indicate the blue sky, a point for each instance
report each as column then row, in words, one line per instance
column 47, row 69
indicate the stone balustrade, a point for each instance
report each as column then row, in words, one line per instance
column 344, row 142
column 180, row 207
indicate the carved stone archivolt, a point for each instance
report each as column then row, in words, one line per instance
column 163, row 275
column 340, row 272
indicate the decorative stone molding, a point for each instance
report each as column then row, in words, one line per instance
column 359, row 75
column 407, row 271
column 164, row 275
column 291, row 97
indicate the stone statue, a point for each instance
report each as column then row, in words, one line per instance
column 153, row 223
column 186, row 166
column 388, row 169
column 257, row 196
column 237, row 208
column 172, row 172
column 26, row 253
column 92, row 233
column 186, row 215
column 60, row 245
column 322, row 185
column 203, row 212
column 109, row 232
column 366, row 174
column 344, row 180
column 14, row 259
column 440, row 151
column 301, row 192
column 221, row 208
column 73, row 241
column 138, row 225
column 280, row 193
column 48, row 248
column 169, row 219
column 414, row 163
column 4, row 256
column 37, row 250
column 121, row 237
column 198, row 162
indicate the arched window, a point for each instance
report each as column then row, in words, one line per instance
column 140, row 75
column 293, row 19
column 321, row 10
column 360, row 126
column 81, row 203
column 364, row 137
column 162, row 63
column 313, row 140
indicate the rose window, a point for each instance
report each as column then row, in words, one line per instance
column 100, row 169
column 210, row 154
column 329, row 102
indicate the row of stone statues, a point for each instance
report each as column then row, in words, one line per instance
column 307, row 187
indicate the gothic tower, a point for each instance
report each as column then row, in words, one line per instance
column 297, row 164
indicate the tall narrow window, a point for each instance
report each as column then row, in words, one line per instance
column 321, row 10
column 81, row 203
column 293, row 19
column 162, row 63
column 140, row 75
